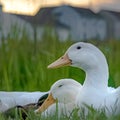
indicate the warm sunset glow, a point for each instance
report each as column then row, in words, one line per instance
column 78, row 2
column 21, row 6
column 31, row 7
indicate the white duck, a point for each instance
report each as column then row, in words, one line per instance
column 95, row 91
column 64, row 92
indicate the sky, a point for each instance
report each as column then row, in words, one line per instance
column 30, row 7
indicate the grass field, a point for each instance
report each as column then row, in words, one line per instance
column 23, row 66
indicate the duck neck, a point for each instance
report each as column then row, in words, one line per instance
column 97, row 77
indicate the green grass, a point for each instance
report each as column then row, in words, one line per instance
column 92, row 115
column 23, row 66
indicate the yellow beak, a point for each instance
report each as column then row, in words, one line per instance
column 49, row 101
column 62, row 61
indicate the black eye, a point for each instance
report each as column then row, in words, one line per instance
column 60, row 85
column 78, row 47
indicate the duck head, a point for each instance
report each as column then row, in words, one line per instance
column 63, row 91
column 82, row 55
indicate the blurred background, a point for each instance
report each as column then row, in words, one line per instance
column 34, row 33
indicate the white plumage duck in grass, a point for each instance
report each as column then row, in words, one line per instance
column 95, row 91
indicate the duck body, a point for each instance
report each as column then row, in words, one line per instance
column 95, row 91
column 10, row 100
column 100, row 100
